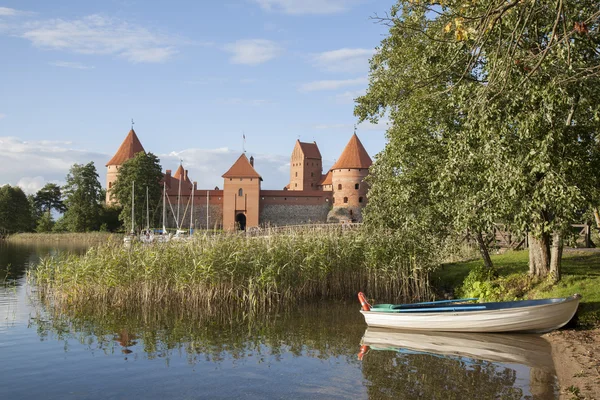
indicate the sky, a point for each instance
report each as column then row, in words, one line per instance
column 195, row 77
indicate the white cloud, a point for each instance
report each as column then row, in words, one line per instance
column 348, row 96
column 206, row 166
column 298, row 7
column 31, row 164
column 72, row 65
column 344, row 60
column 100, row 35
column 8, row 12
column 332, row 84
column 253, row 51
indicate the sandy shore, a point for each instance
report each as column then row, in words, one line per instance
column 576, row 356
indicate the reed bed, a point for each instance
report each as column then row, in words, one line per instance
column 62, row 237
column 258, row 273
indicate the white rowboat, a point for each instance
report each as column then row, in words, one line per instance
column 534, row 316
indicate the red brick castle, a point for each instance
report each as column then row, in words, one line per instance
column 310, row 197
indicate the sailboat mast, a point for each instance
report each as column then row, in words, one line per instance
column 147, row 210
column 192, row 211
column 164, row 208
column 207, row 197
column 133, row 207
column 179, row 195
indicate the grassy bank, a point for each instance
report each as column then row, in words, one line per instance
column 580, row 274
column 255, row 272
column 81, row 237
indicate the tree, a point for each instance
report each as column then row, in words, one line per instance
column 82, row 198
column 507, row 94
column 144, row 169
column 15, row 211
column 49, row 198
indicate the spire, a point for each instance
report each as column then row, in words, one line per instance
column 353, row 156
column 128, row 149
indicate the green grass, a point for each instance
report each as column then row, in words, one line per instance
column 580, row 274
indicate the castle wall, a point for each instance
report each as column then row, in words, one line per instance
column 280, row 207
column 215, row 209
column 293, row 214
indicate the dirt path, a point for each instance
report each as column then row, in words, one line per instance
column 576, row 356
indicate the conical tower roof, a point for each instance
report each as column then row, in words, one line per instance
column 242, row 169
column 129, row 148
column 180, row 174
column 353, row 156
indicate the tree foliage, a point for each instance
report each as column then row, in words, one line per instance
column 82, row 194
column 49, row 198
column 494, row 110
column 15, row 211
column 144, row 169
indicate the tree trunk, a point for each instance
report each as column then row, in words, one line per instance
column 485, row 254
column 539, row 255
column 556, row 255
column 597, row 217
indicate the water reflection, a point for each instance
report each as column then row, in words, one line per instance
column 16, row 258
column 418, row 365
column 308, row 352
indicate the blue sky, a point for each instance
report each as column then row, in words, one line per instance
column 194, row 75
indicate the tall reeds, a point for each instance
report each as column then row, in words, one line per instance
column 254, row 272
column 63, row 237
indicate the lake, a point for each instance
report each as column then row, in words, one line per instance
column 311, row 352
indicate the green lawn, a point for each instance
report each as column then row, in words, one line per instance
column 580, row 274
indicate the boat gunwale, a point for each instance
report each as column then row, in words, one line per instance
column 456, row 308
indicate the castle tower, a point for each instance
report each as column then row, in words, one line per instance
column 349, row 188
column 306, row 167
column 128, row 149
column 241, row 194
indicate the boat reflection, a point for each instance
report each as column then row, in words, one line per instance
column 417, row 364
column 525, row 349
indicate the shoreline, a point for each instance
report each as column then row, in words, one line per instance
column 576, row 356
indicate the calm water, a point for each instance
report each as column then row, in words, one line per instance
column 309, row 353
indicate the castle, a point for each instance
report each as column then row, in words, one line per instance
column 310, row 197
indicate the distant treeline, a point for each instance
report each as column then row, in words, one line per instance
column 80, row 203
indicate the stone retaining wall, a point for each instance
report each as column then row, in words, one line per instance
column 289, row 214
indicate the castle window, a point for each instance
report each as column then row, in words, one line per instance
column 345, row 199
column 241, row 179
column 311, row 185
column 295, row 185
column 109, row 185
column 333, row 201
column 312, row 174
column 285, row 198
column 360, row 199
column 356, row 186
column 348, row 169
column 230, row 179
column 351, row 213
column 296, row 174
column 339, row 186
column 240, row 192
